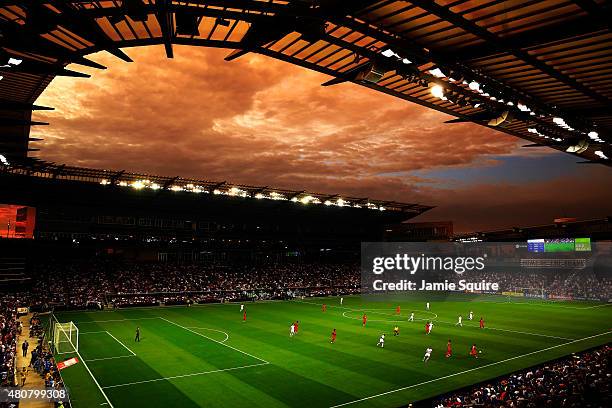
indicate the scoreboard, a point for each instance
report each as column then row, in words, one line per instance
column 559, row 245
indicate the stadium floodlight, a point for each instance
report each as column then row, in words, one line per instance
column 593, row 135
column 327, row 202
column 474, row 86
column 259, row 196
column 601, row 155
column 437, row 72
column 437, row 91
column 389, row 53
column 138, row 184
column 522, row 107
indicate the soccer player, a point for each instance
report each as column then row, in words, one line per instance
column 459, row 321
column 471, row 316
column 324, row 308
column 474, row 351
column 296, row 324
column 341, row 301
column 411, row 319
column 244, row 316
column 427, row 354
column 292, row 330
column 481, row 323
column 449, row 349
column 427, row 328
column 137, row 338
column 396, row 330
column 397, row 310
column 241, row 308
column 427, row 306
column 381, row 341
column 364, row 319
column 333, row 339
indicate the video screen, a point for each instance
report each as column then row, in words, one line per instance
column 17, row 221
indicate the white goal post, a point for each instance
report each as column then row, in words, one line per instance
column 65, row 337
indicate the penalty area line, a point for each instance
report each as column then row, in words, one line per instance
column 467, row 371
column 211, row 339
column 185, row 375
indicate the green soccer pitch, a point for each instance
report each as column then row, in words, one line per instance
column 206, row 355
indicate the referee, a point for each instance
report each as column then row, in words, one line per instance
column 137, row 334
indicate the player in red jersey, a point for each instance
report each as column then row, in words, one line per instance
column 244, row 316
column 364, row 319
column 324, row 307
column 333, row 340
column 449, row 349
column 297, row 323
column 427, row 328
column 397, row 310
column 474, row 351
column 481, row 323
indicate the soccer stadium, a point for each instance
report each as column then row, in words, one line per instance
column 305, row 203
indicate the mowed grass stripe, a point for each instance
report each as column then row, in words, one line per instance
column 309, row 371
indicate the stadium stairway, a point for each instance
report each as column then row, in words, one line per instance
column 33, row 379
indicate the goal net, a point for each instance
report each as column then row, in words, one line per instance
column 65, row 337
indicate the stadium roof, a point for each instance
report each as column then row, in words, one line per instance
column 138, row 181
column 538, row 70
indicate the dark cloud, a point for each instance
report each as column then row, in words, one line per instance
column 264, row 122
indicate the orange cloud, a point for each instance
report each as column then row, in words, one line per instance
column 256, row 121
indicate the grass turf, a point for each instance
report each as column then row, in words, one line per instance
column 207, row 356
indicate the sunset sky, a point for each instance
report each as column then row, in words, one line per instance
column 265, row 122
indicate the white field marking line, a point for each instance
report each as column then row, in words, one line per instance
column 109, row 358
column 443, row 322
column 211, row 339
column 88, row 370
column 206, row 328
column 93, row 332
column 551, row 304
column 468, row 371
column 381, row 320
column 117, row 320
column 127, row 309
column 119, row 341
column 509, row 331
column 186, row 375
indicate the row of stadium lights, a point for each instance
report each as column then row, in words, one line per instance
column 238, row 192
column 439, row 92
column 10, row 62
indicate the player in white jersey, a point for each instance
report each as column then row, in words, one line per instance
column 427, row 306
column 471, row 316
column 430, row 327
column 459, row 321
column 411, row 319
column 427, row 354
column 381, row 341
column 292, row 330
column 341, row 301
column 241, row 308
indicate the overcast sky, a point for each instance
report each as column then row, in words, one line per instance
column 259, row 121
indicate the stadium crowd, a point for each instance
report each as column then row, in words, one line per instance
column 95, row 283
column 10, row 327
column 91, row 284
column 581, row 380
